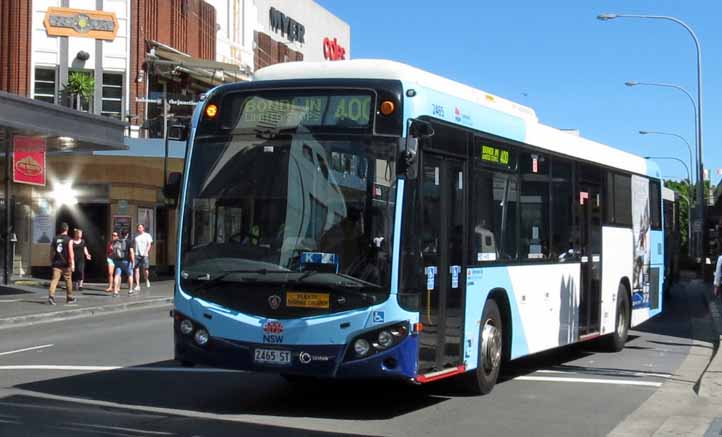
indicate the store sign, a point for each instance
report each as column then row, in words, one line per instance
column 287, row 26
column 81, row 23
column 332, row 50
column 29, row 166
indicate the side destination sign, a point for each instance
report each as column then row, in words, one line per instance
column 494, row 155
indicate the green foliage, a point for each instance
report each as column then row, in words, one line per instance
column 79, row 89
column 685, row 194
column 81, row 84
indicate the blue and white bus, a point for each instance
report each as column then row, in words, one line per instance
column 366, row 219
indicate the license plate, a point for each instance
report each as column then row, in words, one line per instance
column 307, row 300
column 272, row 356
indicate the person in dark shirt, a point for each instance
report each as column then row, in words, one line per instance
column 63, row 263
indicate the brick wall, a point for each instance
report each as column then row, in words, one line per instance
column 269, row 52
column 15, row 25
column 186, row 25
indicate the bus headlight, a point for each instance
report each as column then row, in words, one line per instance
column 186, row 327
column 361, row 347
column 201, row 337
column 374, row 341
column 385, row 340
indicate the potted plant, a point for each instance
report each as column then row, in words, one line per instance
column 80, row 87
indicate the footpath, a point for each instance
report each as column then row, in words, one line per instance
column 690, row 403
column 26, row 301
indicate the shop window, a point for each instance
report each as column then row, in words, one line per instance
column 45, row 86
column 112, row 95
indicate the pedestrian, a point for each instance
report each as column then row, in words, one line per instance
column 80, row 254
column 63, row 263
column 123, row 259
column 109, row 261
column 143, row 243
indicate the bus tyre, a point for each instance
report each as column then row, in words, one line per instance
column 615, row 342
column 483, row 378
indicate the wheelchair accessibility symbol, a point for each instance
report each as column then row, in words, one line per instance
column 378, row 317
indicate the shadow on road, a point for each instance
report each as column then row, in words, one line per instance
column 28, row 415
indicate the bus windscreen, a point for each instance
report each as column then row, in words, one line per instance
column 281, row 111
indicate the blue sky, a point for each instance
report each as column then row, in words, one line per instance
column 556, row 57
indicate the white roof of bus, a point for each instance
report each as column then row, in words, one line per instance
column 537, row 134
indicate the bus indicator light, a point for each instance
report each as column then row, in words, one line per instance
column 211, row 111
column 387, row 107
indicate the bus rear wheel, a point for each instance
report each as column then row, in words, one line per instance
column 615, row 341
column 491, row 343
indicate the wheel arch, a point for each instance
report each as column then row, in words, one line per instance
column 500, row 296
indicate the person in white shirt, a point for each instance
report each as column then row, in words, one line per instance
column 718, row 276
column 143, row 243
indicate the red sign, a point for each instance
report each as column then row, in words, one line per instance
column 332, row 50
column 273, row 327
column 29, row 165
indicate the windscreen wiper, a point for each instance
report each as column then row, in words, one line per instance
column 210, row 280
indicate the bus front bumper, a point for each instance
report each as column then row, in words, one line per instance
column 322, row 361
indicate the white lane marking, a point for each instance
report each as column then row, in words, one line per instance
column 128, row 369
column 27, row 349
column 608, row 372
column 588, row 380
column 117, row 428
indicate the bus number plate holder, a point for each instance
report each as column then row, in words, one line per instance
column 272, row 356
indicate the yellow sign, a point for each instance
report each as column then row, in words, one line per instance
column 492, row 154
column 81, row 23
column 307, row 300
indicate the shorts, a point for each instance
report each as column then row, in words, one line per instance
column 124, row 266
column 110, row 261
column 141, row 262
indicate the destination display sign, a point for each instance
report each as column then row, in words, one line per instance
column 283, row 111
column 495, row 155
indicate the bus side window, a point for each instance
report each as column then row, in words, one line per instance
column 493, row 216
column 534, row 206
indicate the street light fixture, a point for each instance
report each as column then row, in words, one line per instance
column 689, row 147
column 700, row 210
column 632, row 83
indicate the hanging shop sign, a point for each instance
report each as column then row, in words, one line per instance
column 287, row 26
column 29, row 166
column 332, row 50
column 81, row 23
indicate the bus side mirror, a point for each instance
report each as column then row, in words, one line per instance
column 172, row 188
column 417, row 130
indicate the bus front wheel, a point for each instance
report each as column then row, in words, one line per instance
column 491, row 341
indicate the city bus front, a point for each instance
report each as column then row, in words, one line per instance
column 287, row 232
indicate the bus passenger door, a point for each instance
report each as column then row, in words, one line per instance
column 442, row 242
column 589, row 220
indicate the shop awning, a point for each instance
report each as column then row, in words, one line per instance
column 168, row 61
column 65, row 129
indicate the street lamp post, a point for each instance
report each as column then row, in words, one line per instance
column 632, row 83
column 700, row 210
column 689, row 205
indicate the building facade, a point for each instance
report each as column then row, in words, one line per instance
column 146, row 63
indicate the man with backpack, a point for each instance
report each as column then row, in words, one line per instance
column 123, row 258
column 63, row 264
